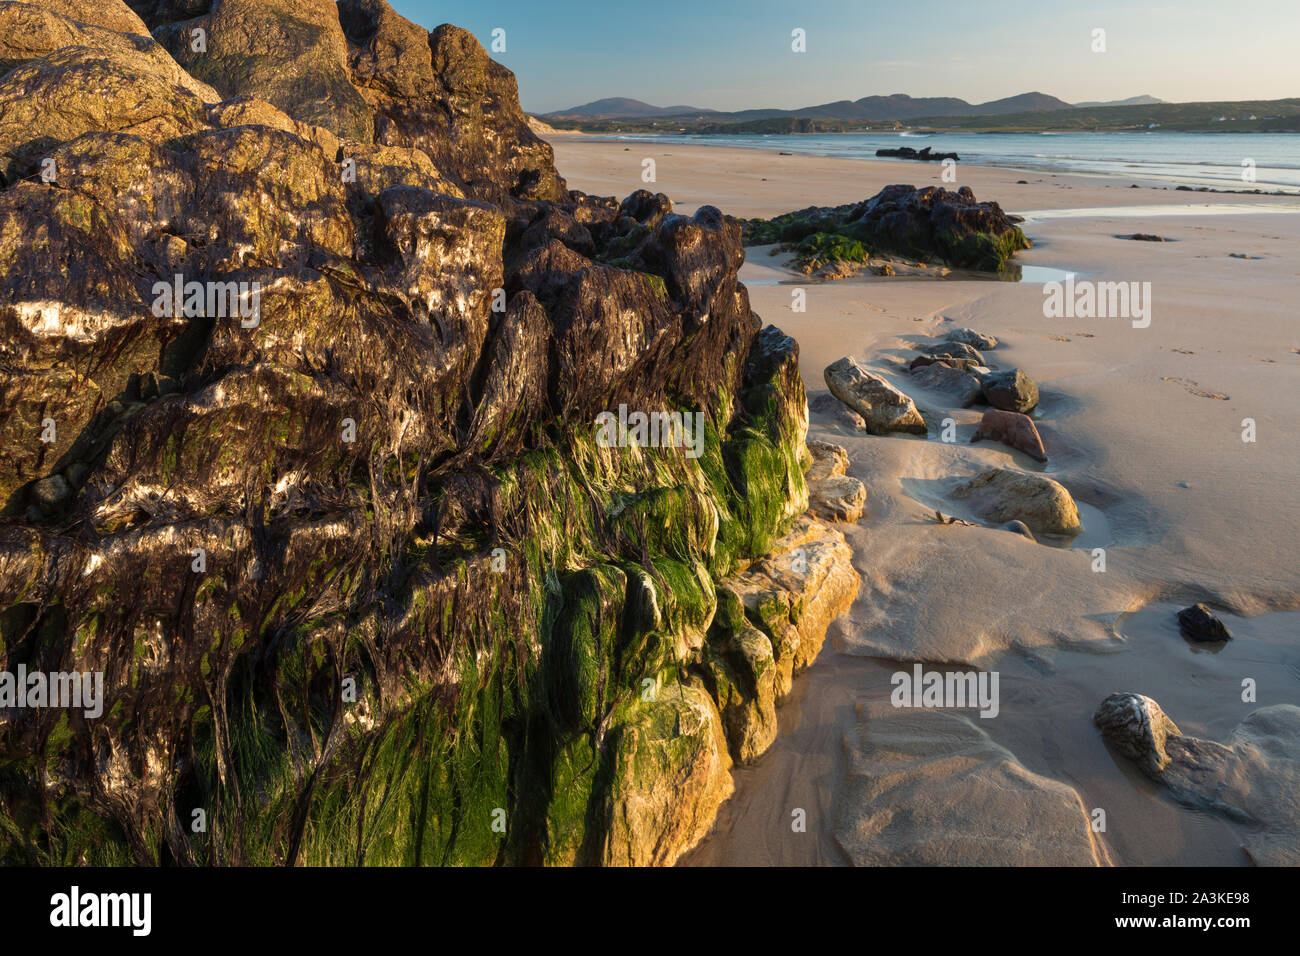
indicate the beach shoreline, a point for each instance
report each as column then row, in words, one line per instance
column 1144, row 426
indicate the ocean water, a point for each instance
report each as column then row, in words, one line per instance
column 1195, row 159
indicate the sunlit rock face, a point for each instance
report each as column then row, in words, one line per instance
column 302, row 343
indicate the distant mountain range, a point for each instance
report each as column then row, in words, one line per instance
column 1143, row 100
column 897, row 106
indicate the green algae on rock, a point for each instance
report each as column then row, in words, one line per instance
column 930, row 224
column 363, row 586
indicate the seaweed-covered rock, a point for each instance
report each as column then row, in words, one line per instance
column 291, row 53
column 300, row 449
column 927, row 223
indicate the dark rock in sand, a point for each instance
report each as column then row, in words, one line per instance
column 1137, row 727
column 1011, row 390
column 1020, row 528
column 1145, row 237
column 1199, row 623
column 923, row 155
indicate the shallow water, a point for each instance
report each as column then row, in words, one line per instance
column 1210, row 159
column 1163, row 211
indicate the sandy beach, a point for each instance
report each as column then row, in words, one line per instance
column 1144, row 426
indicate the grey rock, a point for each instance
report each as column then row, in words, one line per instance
column 1011, row 390
column 1137, row 727
column 1020, row 528
column 882, row 406
column 827, row 404
column 976, row 340
column 965, row 364
column 955, row 349
column 963, row 386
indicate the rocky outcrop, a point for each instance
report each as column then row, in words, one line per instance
column 1000, row 495
column 929, row 224
column 291, row 53
column 1253, row 779
column 883, row 407
column 299, row 448
column 923, row 155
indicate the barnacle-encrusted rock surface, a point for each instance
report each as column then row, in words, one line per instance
column 362, row 583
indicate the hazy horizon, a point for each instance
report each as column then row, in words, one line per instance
column 731, row 55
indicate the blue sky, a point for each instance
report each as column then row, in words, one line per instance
column 735, row 54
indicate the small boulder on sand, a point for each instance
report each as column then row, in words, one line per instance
column 1012, row 429
column 883, row 408
column 976, row 340
column 1011, row 390
column 1020, row 528
column 955, row 349
column 965, row 364
column 1137, row 727
column 841, row 498
column 940, row 376
column 1199, row 624
column 827, row 404
column 1041, row 503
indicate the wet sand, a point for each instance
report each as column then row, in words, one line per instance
column 1142, row 425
